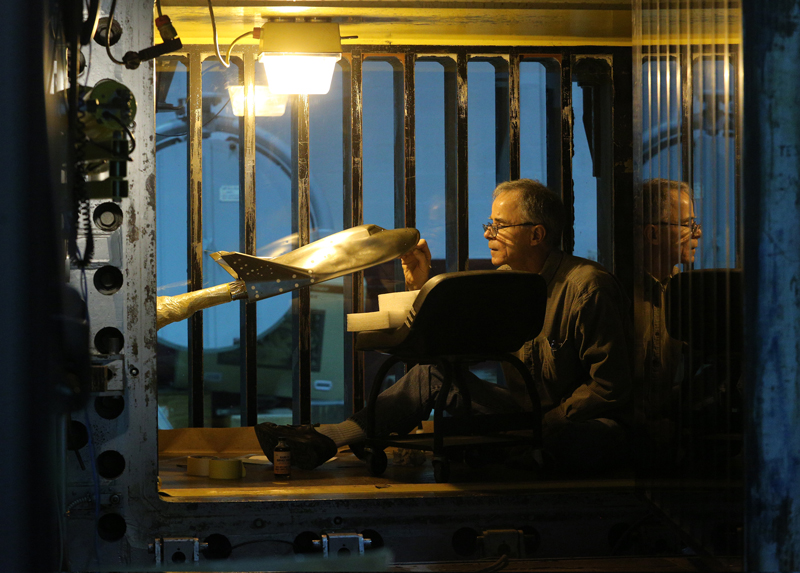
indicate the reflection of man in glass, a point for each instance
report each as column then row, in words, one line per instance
column 670, row 235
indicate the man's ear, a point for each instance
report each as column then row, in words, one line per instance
column 651, row 235
column 538, row 235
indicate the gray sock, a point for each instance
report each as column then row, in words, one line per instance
column 343, row 433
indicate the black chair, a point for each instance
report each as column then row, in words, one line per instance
column 459, row 319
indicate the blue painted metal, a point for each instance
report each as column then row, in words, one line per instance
column 772, row 281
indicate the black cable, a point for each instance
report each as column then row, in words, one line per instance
column 158, row 7
column 108, row 33
column 496, row 566
column 127, row 130
column 252, row 541
column 205, row 124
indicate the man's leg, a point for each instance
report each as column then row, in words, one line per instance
column 399, row 409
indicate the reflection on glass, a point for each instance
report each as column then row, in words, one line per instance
column 327, row 299
column 172, row 236
column 661, row 110
column 713, row 146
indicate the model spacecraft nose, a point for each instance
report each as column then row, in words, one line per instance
column 347, row 251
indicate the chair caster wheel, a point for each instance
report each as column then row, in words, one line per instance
column 376, row 461
column 441, row 470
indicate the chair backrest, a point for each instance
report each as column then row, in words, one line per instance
column 474, row 312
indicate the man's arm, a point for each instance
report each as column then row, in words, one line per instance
column 601, row 332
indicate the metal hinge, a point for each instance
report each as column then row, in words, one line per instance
column 336, row 545
column 177, row 549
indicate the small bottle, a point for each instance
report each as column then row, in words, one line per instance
column 282, row 456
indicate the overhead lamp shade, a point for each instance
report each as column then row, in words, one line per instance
column 267, row 104
column 299, row 57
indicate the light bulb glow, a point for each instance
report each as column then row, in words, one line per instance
column 267, row 103
column 294, row 74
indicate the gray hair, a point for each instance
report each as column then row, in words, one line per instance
column 657, row 198
column 539, row 205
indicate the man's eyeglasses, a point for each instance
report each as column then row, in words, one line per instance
column 693, row 226
column 494, row 228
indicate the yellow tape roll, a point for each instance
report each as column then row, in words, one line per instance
column 225, row 469
column 197, row 466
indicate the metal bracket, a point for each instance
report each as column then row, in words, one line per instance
column 177, row 549
column 497, row 542
column 336, row 545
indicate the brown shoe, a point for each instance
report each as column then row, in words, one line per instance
column 309, row 448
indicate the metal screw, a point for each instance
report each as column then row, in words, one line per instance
column 115, row 499
column 259, row 523
column 337, row 520
column 134, row 371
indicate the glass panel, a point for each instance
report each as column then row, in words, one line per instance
column 327, row 216
column 172, row 80
column 430, row 163
column 482, row 161
column 661, row 110
column 714, row 182
column 221, row 158
column 533, row 120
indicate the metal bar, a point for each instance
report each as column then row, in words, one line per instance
column 687, row 157
column 502, row 119
column 567, row 191
column 450, row 163
column 356, row 216
column 400, row 175
column 195, row 238
column 553, row 117
column 301, row 300
column 622, row 176
column 410, row 217
column 513, row 117
column 462, row 192
column 772, row 312
column 248, row 378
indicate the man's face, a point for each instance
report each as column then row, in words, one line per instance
column 511, row 246
column 678, row 240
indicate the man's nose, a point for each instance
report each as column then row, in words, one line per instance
column 487, row 234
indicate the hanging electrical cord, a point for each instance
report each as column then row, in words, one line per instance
column 216, row 39
column 158, row 8
column 108, row 34
column 127, row 131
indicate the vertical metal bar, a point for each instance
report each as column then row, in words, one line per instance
column 301, row 300
column 195, row 239
column 567, row 191
column 456, row 173
column 451, row 163
column 248, row 378
column 353, row 280
column 462, row 227
column 513, row 116
column 554, row 115
column 772, row 304
column 622, row 177
column 410, row 216
column 687, row 159
column 356, row 209
column 502, row 120
column 399, row 131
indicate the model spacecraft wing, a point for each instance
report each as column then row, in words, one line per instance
column 347, row 251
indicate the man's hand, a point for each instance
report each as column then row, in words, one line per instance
column 416, row 265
